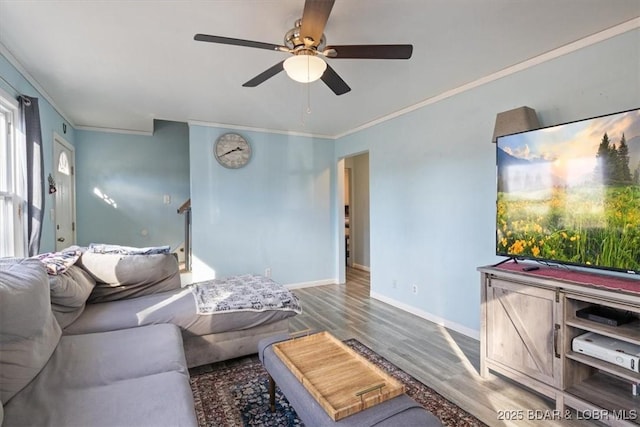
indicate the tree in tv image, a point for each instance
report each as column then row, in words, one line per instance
column 613, row 162
column 571, row 193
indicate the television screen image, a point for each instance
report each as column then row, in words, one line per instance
column 571, row 193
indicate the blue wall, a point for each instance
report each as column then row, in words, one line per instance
column 50, row 121
column 135, row 171
column 432, row 173
column 277, row 212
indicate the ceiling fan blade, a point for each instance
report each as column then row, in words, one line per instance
column 239, row 42
column 371, row 51
column 314, row 18
column 334, row 81
column 265, row 75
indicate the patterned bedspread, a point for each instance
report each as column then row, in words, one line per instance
column 243, row 293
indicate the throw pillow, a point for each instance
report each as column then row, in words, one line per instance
column 69, row 293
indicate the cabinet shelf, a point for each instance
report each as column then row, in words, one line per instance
column 609, row 393
column 629, row 332
column 618, row 371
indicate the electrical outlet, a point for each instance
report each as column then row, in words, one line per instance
column 394, row 284
column 414, row 288
column 267, row 272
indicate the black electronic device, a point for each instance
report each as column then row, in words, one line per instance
column 605, row 315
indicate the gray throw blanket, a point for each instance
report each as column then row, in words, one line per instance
column 243, row 293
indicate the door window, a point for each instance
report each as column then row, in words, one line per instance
column 63, row 164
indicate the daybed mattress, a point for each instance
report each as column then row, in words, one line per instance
column 177, row 307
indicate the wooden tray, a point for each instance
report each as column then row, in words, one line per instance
column 342, row 381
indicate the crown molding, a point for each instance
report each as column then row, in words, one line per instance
column 256, row 129
column 114, row 130
column 532, row 62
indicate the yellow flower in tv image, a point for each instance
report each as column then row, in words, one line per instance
column 517, row 248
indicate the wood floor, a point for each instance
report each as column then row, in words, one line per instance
column 443, row 359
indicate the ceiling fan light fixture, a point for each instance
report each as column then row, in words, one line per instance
column 304, row 68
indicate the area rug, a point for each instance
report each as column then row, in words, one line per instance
column 236, row 393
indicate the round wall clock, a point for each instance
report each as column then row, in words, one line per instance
column 232, row 150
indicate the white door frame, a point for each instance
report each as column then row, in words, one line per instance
column 348, row 177
column 57, row 139
column 340, row 229
column 341, row 271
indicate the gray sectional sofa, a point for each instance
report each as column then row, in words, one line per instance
column 92, row 346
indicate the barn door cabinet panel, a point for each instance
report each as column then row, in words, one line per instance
column 523, row 320
column 527, row 328
column 520, row 333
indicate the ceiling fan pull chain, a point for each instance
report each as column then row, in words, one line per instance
column 308, row 87
column 308, row 98
column 302, row 114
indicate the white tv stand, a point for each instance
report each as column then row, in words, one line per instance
column 528, row 320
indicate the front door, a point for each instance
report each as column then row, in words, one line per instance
column 64, row 183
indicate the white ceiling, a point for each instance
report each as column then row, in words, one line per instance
column 121, row 64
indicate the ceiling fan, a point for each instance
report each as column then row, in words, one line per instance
column 307, row 43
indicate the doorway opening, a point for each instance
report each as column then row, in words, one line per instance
column 356, row 212
column 64, row 191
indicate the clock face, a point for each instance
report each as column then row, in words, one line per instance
column 232, row 151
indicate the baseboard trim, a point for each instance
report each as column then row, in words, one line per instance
column 472, row 333
column 362, row 267
column 311, row 284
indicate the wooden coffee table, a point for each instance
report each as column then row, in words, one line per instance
column 339, row 379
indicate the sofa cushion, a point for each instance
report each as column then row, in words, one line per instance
column 127, row 276
column 122, row 378
column 28, row 331
column 69, row 293
column 106, row 357
column 164, row 399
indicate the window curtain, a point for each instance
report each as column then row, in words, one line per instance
column 30, row 126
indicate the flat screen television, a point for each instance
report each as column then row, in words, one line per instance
column 570, row 193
